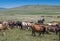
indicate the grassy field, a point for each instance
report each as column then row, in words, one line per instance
column 25, row 35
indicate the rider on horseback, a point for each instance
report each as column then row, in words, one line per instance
column 41, row 21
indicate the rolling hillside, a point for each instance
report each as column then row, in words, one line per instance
column 2, row 8
column 32, row 9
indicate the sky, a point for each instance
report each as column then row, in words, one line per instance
column 16, row 3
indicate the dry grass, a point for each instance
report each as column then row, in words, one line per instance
column 28, row 17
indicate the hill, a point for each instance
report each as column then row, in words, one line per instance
column 32, row 9
column 2, row 8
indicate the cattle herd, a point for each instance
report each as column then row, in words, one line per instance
column 35, row 27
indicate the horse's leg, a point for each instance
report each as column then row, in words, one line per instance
column 28, row 28
column 33, row 33
column 8, row 27
column 24, row 27
column 56, row 32
column 18, row 27
column 12, row 26
column 21, row 27
column 44, row 30
column 3, row 32
column 47, row 31
column 39, row 33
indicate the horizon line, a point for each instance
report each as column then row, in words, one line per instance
column 29, row 5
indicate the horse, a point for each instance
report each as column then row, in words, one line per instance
column 37, row 28
column 3, row 26
column 57, row 29
column 6, row 25
column 2, row 29
column 24, row 25
column 41, row 21
column 53, row 27
column 19, row 24
column 12, row 24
